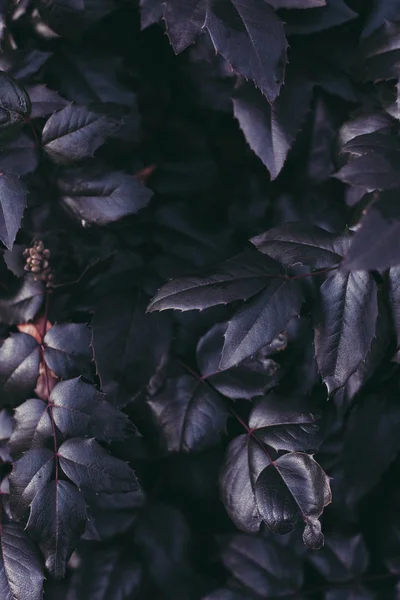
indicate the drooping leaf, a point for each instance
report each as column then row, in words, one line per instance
column 19, row 367
column 244, row 461
column 74, row 133
column 372, row 422
column 238, row 278
column 253, row 377
column 235, row 34
column 101, row 198
column 30, row 473
column 104, row 573
column 15, row 106
column 184, row 21
column 345, row 325
column 124, row 367
column 376, row 243
column 343, row 558
column 44, row 101
column 302, row 244
column 189, row 414
column 293, row 487
column 67, row 350
column 260, row 320
column 264, row 567
column 79, row 410
column 19, row 156
column 270, row 130
column 57, row 521
column 12, row 203
column 33, row 428
column 88, row 465
column 22, row 301
column 21, row 570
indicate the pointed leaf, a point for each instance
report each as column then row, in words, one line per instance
column 383, row 10
column 12, row 205
column 345, row 325
column 22, row 302
column 15, row 106
column 302, row 244
column 44, row 101
column 238, row 278
column 184, row 21
column 21, row 570
column 80, row 410
column 260, row 320
column 189, row 414
column 258, row 53
column 376, row 243
column 19, row 367
column 151, row 12
column 57, row 521
column 88, row 465
column 294, row 486
column 30, row 473
column 67, row 350
column 270, row 130
column 75, row 132
column 103, row 197
column 32, row 426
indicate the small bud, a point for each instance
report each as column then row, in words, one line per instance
column 36, row 262
column 46, row 253
column 35, row 269
column 45, row 264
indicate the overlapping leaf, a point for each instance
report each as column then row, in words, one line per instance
column 15, row 106
column 67, row 350
column 19, row 367
column 22, row 301
column 12, row 203
column 30, row 473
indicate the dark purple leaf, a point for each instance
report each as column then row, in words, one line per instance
column 68, row 351
column 376, row 244
column 336, row 12
column 189, row 414
column 260, row 320
column 238, row 278
column 293, row 487
column 382, row 11
column 111, row 572
column 44, row 101
column 124, row 367
column 101, row 198
column 19, row 156
column 21, row 570
column 33, row 427
column 151, row 12
column 302, row 244
column 373, row 423
column 88, row 465
column 261, row 565
column 15, row 106
column 30, row 473
column 277, row 4
column 80, row 410
column 57, row 521
column 12, row 203
column 22, row 302
column 75, row 132
column 394, row 292
column 19, row 367
column 343, row 558
column 345, row 325
column 234, row 31
column 270, row 130
column 184, row 21
column 62, row 15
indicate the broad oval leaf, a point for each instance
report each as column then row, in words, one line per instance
column 238, row 278
column 12, row 202
column 103, row 197
column 345, row 325
column 258, row 53
column 74, row 133
column 259, row 321
column 80, row 410
column 88, row 465
column 21, row 569
column 294, row 486
column 302, row 244
column 15, row 105
column 19, row 367
column 30, row 473
column 189, row 414
column 33, row 428
column 67, row 350
column 263, row 566
column 57, row 521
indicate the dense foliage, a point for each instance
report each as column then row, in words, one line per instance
column 200, row 299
